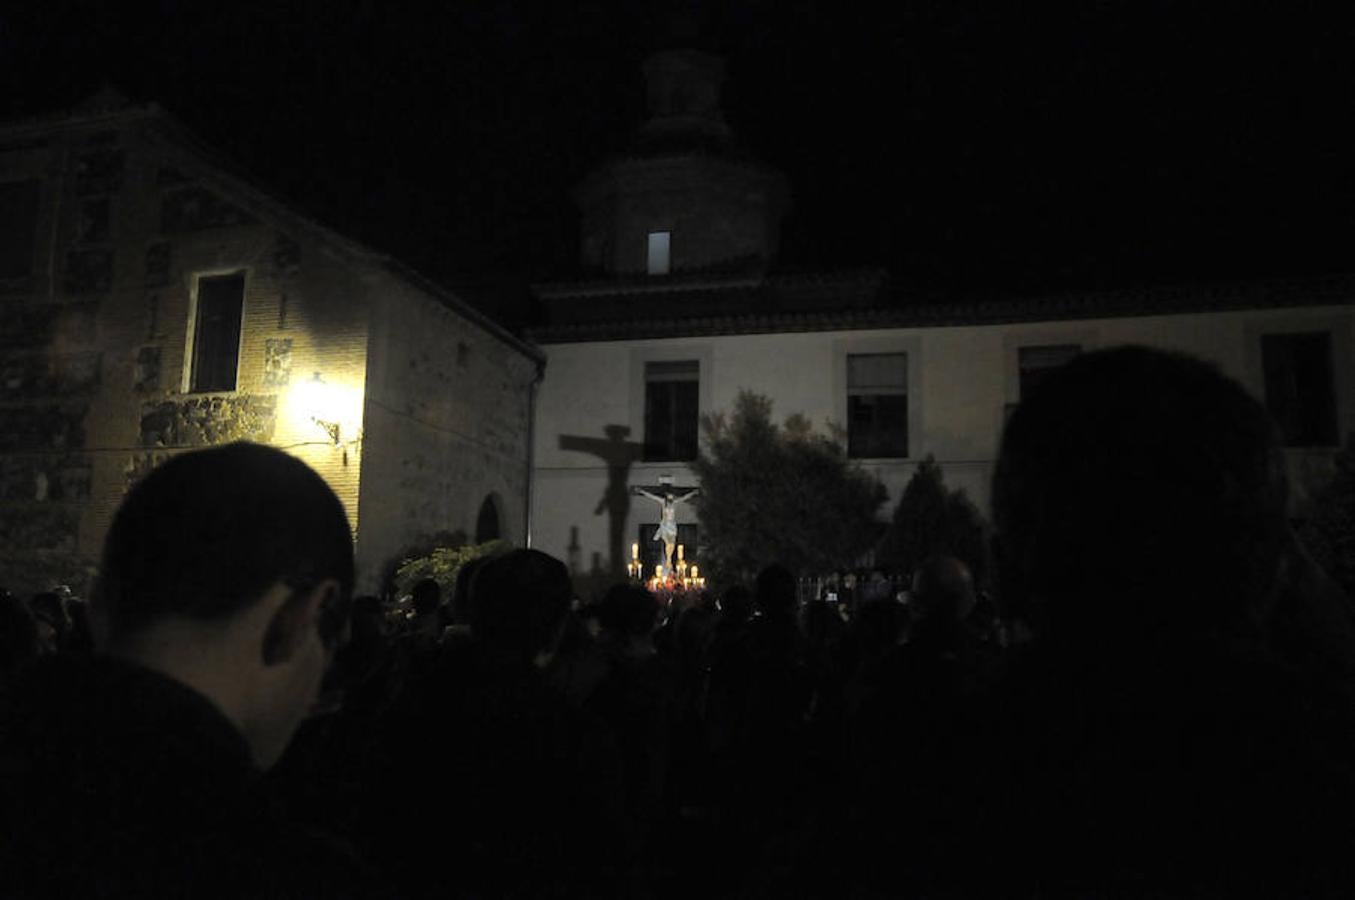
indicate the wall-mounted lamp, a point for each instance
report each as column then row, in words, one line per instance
column 319, row 405
column 333, row 407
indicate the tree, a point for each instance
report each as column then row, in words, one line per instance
column 932, row 520
column 779, row 494
column 442, row 565
column 1329, row 532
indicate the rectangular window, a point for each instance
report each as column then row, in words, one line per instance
column 877, row 405
column 671, row 410
column 18, row 227
column 657, row 260
column 216, row 332
column 1300, row 388
column 1035, row 363
column 651, row 551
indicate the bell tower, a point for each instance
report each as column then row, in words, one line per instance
column 686, row 197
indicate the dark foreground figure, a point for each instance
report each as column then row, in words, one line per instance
column 138, row 772
column 1179, row 725
column 1176, row 728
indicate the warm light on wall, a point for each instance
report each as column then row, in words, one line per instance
column 334, row 408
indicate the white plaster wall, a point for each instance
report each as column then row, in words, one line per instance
column 960, row 382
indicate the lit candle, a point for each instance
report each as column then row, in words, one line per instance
column 634, row 551
column 695, row 571
column 679, row 551
column 658, row 571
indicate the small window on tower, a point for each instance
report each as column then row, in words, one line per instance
column 657, row 261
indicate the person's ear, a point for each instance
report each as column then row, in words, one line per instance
column 295, row 617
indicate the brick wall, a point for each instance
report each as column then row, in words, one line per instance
column 431, row 408
column 93, row 340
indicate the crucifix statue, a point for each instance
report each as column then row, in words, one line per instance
column 668, row 497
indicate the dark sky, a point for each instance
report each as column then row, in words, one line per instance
column 960, row 146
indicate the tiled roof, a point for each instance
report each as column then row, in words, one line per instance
column 1323, row 291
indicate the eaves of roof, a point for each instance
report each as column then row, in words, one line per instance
column 1325, row 291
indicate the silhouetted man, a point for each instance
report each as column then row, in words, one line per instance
column 909, row 726
column 485, row 759
column 1148, row 741
column 137, row 772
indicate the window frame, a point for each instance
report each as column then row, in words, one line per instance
column 650, row 268
column 190, row 343
column 672, row 447
column 667, row 351
column 881, row 391
column 911, row 345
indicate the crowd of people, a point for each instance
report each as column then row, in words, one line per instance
column 1161, row 704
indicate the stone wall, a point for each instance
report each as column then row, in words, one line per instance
column 446, row 425
column 93, row 339
column 52, row 366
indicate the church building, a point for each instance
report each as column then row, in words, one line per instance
column 154, row 299
column 683, row 302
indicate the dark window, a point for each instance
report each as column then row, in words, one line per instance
column 18, row 227
column 877, row 405
column 1300, row 389
column 216, row 332
column 1037, row 362
column 651, row 551
column 671, row 409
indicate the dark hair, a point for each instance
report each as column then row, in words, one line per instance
column 206, row 533
column 628, row 609
column 48, row 607
column 1140, row 488
column 737, row 603
column 520, row 599
column 19, row 641
column 943, row 590
column 427, row 597
column 369, row 616
column 774, row 591
column 463, row 602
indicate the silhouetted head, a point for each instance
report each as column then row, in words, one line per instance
column 369, row 620
column 463, row 600
column 229, row 569
column 775, row 591
column 19, row 641
column 521, row 598
column 943, row 591
column 426, row 597
column 48, row 607
column 737, row 603
column 1138, row 492
column 628, row 610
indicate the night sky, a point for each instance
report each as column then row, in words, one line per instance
column 963, row 148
